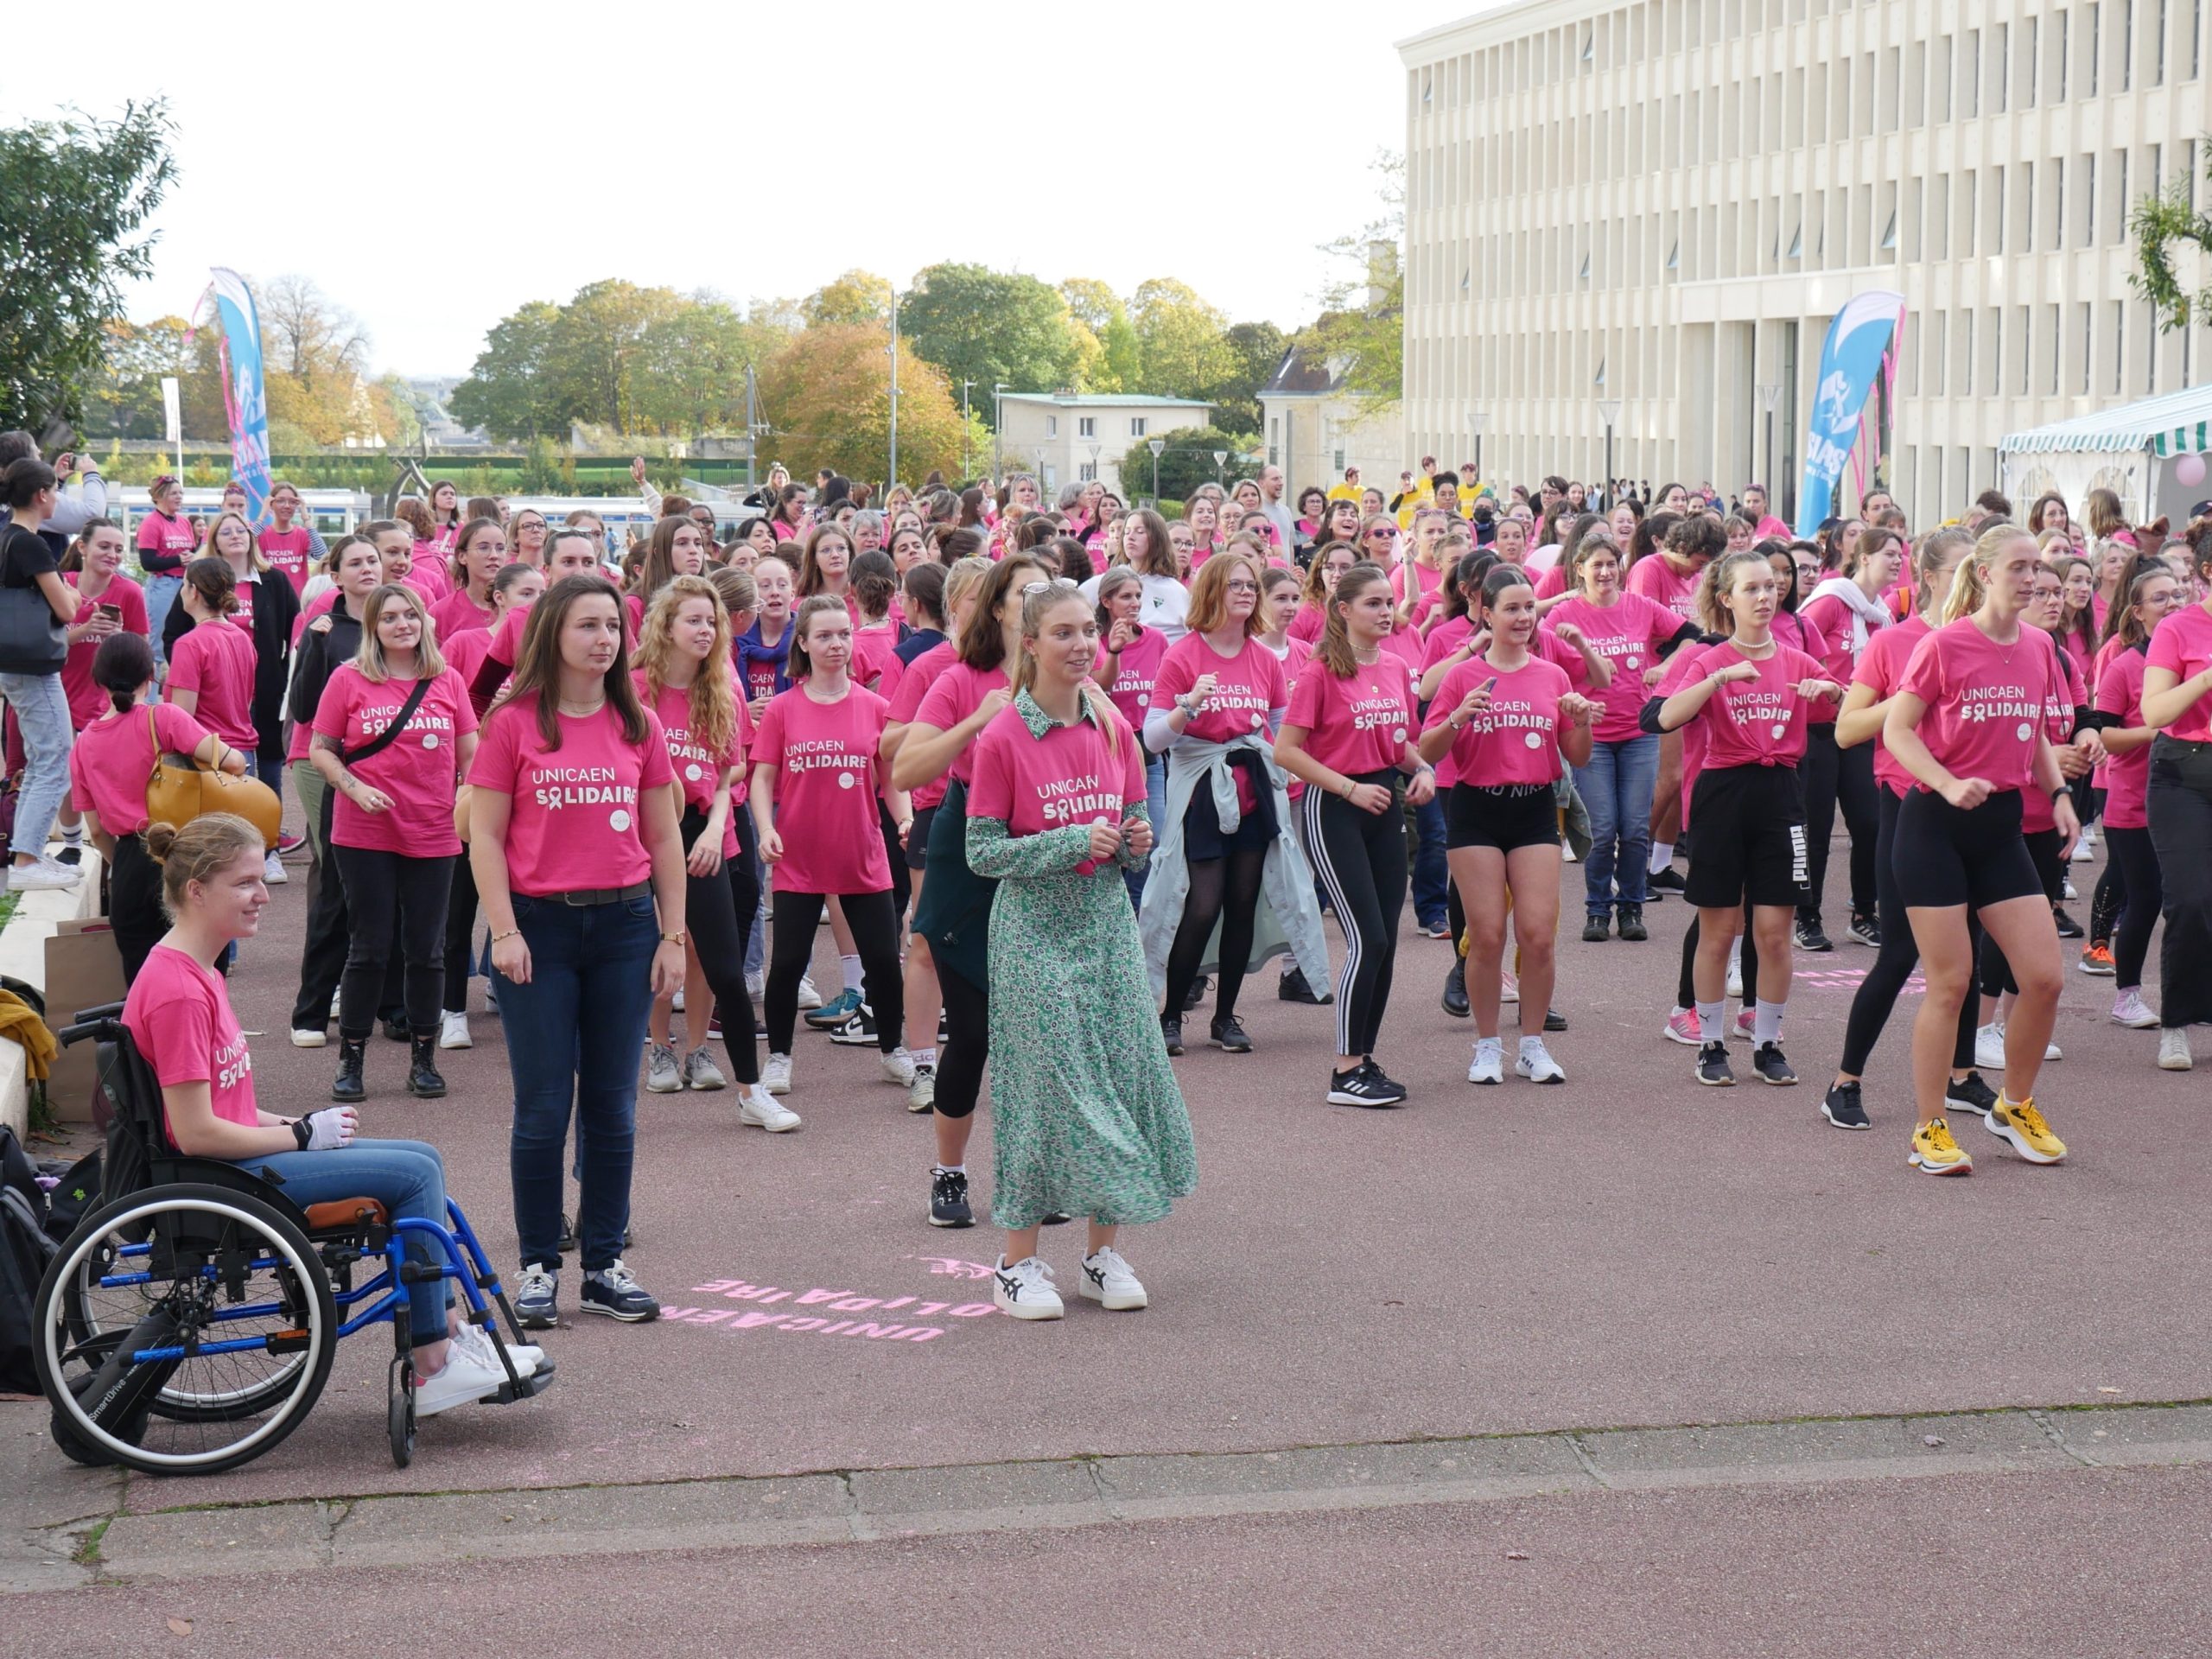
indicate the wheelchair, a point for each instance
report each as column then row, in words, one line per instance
column 188, row 1324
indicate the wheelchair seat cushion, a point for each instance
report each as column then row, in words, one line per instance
column 344, row 1215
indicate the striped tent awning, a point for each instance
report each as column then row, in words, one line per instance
column 2179, row 423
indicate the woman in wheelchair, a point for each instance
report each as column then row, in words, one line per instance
column 179, row 1015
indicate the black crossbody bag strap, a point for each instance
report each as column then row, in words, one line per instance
column 384, row 738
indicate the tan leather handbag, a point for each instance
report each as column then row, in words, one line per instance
column 179, row 790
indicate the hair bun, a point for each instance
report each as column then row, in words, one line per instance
column 158, row 839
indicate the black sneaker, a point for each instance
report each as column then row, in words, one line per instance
column 1768, row 1062
column 1361, row 1086
column 1197, row 994
column 1228, row 1035
column 1810, row 937
column 858, row 1030
column 949, row 1200
column 1970, row 1093
column 1667, row 881
column 1631, row 923
column 1712, row 1069
column 395, row 1029
column 1171, row 1033
column 1383, row 1077
column 613, row 1292
column 72, row 853
column 1455, row 989
column 1867, row 930
column 1554, row 1020
column 1293, row 987
column 1596, row 928
column 566, row 1244
column 1841, row 1108
column 2068, row 927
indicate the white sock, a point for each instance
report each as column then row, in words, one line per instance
column 1531, row 1044
column 73, row 833
column 950, row 1169
column 851, row 967
column 1663, row 854
column 1491, row 1045
column 923, row 1056
column 1767, row 1022
column 1710, row 1016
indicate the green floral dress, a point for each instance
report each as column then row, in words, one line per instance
column 1087, row 1117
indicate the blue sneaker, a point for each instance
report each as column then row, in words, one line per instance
column 838, row 1009
column 537, row 1298
column 616, row 1294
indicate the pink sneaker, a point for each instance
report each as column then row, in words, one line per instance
column 1508, row 989
column 1746, row 1027
column 1682, row 1027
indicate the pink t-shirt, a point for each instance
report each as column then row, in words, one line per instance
column 1067, row 777
column 1626, row 633
column 1794, row 630
column 1430, row 579
column 1757, row 723
column 112, row 759
column 426, row 574
column 1831, row 618
column 875, row 659
column 216, row 659
column 2061, row 709
column 321, row 605
column 576, row 819
column 1881, row 669
column 1140, row 667
column 1985, row 701
column 1358, row 725
column 506, row 635
column 166, row 538
column 1551, row 583
column 907, row 701
column 827, row 778
column 1515, row 739
column 958, row 692
column 1309, row 623
column 1679, row 674
column 287, row 550
column 2127, row 775
column 2183, row 645
column 1247, row 688
column 1656, row 579
column 86, row 701
column 419, row 769
column 465, row 652
column 457, row 613
column 698, row 769
column 179, row 1014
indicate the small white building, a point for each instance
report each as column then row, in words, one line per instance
column 1315, row 428
column 1065, row 436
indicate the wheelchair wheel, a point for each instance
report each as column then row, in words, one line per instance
column 399, row 1412
column 184, row 1329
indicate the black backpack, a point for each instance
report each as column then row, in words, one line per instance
column 24, row 1252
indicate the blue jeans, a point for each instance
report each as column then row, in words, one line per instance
column 160, row 594
column 1431, row 876
column 756, row 948
column 1155, row 812
column 574, row 1034
column 408, row 1177
column 42, row 716
column 1616, row 789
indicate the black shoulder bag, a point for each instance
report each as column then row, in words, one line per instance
column 384, row 738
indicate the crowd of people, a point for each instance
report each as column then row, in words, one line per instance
column 1002, row 747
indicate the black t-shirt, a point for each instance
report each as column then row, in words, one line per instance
column 24, row 557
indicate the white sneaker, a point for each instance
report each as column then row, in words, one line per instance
column 2085, row 850
column 2129, row 1009
column 1489, row 1064
column 756, row 985
column 302, row 1037
column 1989, row 1047
column 272, row 871
column 1508, row 989
column 808, row 996
column 467, row 1376
column 42, row 875
column 1024, row 1290
column 1536, row 1063
column 1108, row 1281
column 477, row 1341
column 2066, row 891
column 921, row 1093
column 756, row 1106
column 2052, row 1052
column 776, row 1076
column 898, row 1067
column 663, row 1076
column 1736, row 969
column 2174, row 1053
column 452, row 1031
column 700, row 1070
column 675, row 1002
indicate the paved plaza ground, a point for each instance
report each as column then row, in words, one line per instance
column 1388, row 1354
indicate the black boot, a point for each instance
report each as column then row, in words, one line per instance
column 1455, row 988
column 353, row 1055
column 422, row 1079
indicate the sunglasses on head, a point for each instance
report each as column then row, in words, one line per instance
column 1029, row 588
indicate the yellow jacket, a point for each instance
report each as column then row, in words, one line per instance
column 17, row 1021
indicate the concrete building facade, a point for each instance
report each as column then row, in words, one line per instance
column 1069, row 437
column 1315, row 428
column 1653, row 210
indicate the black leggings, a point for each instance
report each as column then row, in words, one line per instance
column 1361, row 859
column 388, row 893
column 1833, row 775
column 2108, row 901
column 1686, row 986
column 2042, row 851
column 460, row 933
column 134, row 903
column 902, row 878
column 2143, row 892
column 967, row 1042
column 1226, row 890
column 718, row 915
column 2181, row 829
column 875, row 935
column 1893, row 964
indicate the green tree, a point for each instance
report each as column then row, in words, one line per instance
column 1362, row 311
column 78, row 193
column 1118, row 362
column 600, row 354
column 828, row 400
column 2162, row 224
column 509, row 392
column 1181, row 337
column 1188, row 460
column 856, row 296
column 1255, row 351
column 124, row 398
column 988, row 326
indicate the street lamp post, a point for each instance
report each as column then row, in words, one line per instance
column 1769, row 393
column 964, row 386
column 998, row 424
column 1608, row 409
column 1155, row 445
column 1220, row 465
column 1093, row 448
column 893, row 479
column 1476, row 420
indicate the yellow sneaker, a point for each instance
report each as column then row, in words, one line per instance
column 2019, row 1123
column 1935, row 1152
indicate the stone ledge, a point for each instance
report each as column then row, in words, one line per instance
column 38, row 918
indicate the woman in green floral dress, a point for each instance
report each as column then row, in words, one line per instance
column 1087, row 1118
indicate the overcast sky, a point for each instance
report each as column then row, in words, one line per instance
column 433, row 167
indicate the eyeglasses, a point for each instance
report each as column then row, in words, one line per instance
column 1241, row 587
column 1029, row 588
column 1372, row 534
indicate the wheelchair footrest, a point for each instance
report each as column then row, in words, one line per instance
column 528, row 1388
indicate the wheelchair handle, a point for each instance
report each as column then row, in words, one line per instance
column 104, row 1030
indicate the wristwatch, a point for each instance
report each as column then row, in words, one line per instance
column 675, row 937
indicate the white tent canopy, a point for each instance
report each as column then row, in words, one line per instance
column 2126, row 449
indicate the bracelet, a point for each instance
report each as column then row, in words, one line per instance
column 301, row 1132
column 1348, row 787
column 511, row 933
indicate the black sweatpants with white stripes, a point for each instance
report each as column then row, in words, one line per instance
column 1360, row 858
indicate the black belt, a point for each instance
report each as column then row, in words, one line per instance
column 584, row 896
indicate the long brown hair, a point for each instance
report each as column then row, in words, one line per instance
column 810, row 568
column 370, row 660
column 712, row 703
column 537, row 674
column 1334, row 652
column 982, row 646
column 659, row 568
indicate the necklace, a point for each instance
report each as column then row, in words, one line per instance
column 1369, row 657
column 567, row 708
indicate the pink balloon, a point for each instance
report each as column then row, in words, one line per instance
column 2190, row 469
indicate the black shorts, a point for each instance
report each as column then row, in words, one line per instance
column 1750, row 846
column 1944, row 855
column 1503, row 815
column 917, row 839
column 1201, row 836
